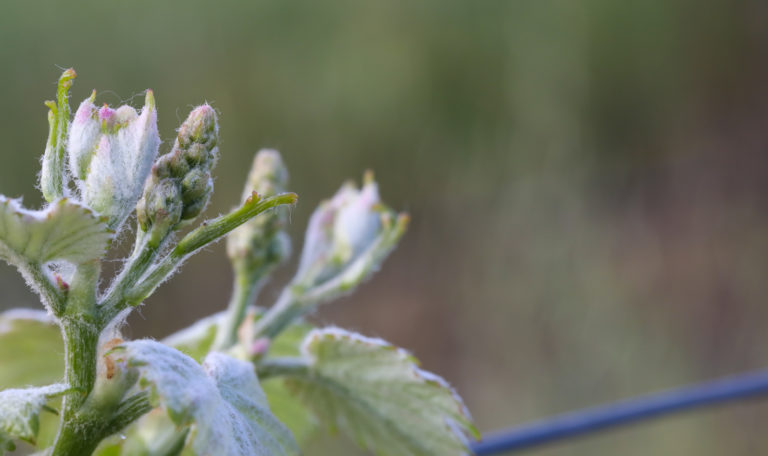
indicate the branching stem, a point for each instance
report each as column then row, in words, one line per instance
column 141, row 259
column 81, row 337
column 206, row 233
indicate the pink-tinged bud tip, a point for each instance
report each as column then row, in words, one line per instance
column 106, row 115
column 65, row 80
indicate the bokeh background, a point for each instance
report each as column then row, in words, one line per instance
column 588, row 180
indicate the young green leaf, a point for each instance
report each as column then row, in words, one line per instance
column 30, row 349
column 377, row 394
column 222, row 400
column 286, row 406
column 65, row 230
column 290, row 410
column 20, row 410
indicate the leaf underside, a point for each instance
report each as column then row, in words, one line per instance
column 221, row 400
column 197, row 340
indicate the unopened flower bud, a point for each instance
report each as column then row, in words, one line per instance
column 340, row 230
column 195, row 186
column 161, row 208
column 83, row 135
column 111, row 154
column 261, row 243
column 358, row 222
column 186, row 170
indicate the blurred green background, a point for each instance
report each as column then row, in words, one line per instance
column 587, row 179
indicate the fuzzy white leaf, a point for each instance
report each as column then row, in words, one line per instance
column 65, row 230
column 377, row 394
column 222, row 399
column 20, row 410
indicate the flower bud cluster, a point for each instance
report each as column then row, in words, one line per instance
column 340, row 230
column 110, row 155
column 262, row 243
column 180, row 184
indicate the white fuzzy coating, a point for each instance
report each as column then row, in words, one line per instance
column 19, row 409
column 319, row 257
column 221, row 399
column 83, row 135
column 100, row 188
column 358, row 223
column 120, row 160
column 143, row 139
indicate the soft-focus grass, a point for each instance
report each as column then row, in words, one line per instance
column 587, row 179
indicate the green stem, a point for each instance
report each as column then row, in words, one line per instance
column 77, row 436
column 81, row 334
column 153, row 279
column 52, row 298
column 211, row 230
column 282, row 367
column 297, row 300
column 287, row 308
column 201, row 236
column 78, row 440
column 140, row 260
column 243, row 294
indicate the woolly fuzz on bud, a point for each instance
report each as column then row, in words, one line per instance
column 111, row 152
column 339, row 230
column 262, row 243
column 180, row 183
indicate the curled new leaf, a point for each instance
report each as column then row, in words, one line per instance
column 65, row 230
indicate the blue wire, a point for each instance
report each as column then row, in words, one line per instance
column 624, row 412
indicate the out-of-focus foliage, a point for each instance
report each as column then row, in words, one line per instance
column 587, row 180
column 31, row 354
column 31, row 350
